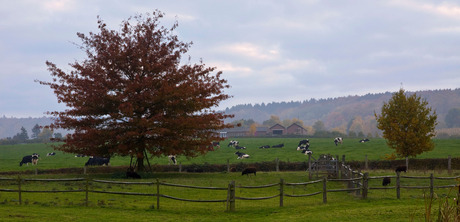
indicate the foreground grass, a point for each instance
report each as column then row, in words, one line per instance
column 381, row 205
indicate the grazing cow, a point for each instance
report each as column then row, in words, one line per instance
column 304, row 142
column 240, row 147
column 33, row 159
column 98, row 161
column 264, row 147
column 278, row 145
column 307, row 151
column 130, row 173
column 216, row 144
column 241, row 155
column 51, row 154
column 172, row 159
column 401, row 169
column 338, row 140
column 249, row 170
column 364, row 140
column 233, row 143
column 386, row 181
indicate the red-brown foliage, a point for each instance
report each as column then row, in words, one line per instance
column 132, row 94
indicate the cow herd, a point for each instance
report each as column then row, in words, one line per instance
column 92, row 161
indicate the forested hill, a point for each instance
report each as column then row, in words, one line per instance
column 354, row 113
column 342, row 111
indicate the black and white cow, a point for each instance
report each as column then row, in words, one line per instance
column 98, row 161
column 33, row 159
column 364, row 140
column 278, row 145
column 215, row 144
column 240, row 147
column 172, row 159
column 233, row 143
column 241, row 155
column 264, row 147
column 51, row 154
column 304, row 142
column 338, row 140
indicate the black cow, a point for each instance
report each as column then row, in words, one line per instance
column 249, row 170
column 401, row 169
column 264, row 147
column 278, row 145
column 98, row 161
column 338, row 140
column 33, row 159
column 364, row 140
column 130, row 173
column 386, row 181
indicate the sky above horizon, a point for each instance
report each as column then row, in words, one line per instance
column 268, row 50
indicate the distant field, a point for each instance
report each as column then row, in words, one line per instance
column 11, row 155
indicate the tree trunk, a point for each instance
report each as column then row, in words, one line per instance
column 140, row 164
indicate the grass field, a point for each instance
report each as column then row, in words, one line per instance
column 11, row 155
column 381, row 205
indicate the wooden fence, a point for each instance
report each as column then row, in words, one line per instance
column 357, row 184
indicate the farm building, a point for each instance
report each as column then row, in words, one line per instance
column 277, row 129
column 243, row 131
column 296, row 129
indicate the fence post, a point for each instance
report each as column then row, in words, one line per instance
column 449, row 165
column 358, row 192
column 407, row 163
column 398, row 185
column 337, row 167
column 19, row 190
column 281, row 192
column 277, row 164
column 309, row 166
column 366, row 164
column 180, row 167
column 365, row 185
column 431, row 185
column 232, row 195
column 86, row 190
column 350, row 176
column 36, row 171
column 324, row 189
column 228, row 165
column 158, row 193
column 84, row 170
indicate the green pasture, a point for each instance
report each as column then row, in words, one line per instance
column 381, row 205
column 11, row 155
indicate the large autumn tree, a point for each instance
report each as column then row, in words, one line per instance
column 408, row 124
column 133, row 95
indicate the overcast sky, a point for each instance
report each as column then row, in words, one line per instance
column 268, row 50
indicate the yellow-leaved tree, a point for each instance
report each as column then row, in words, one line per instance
column 408, row 124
